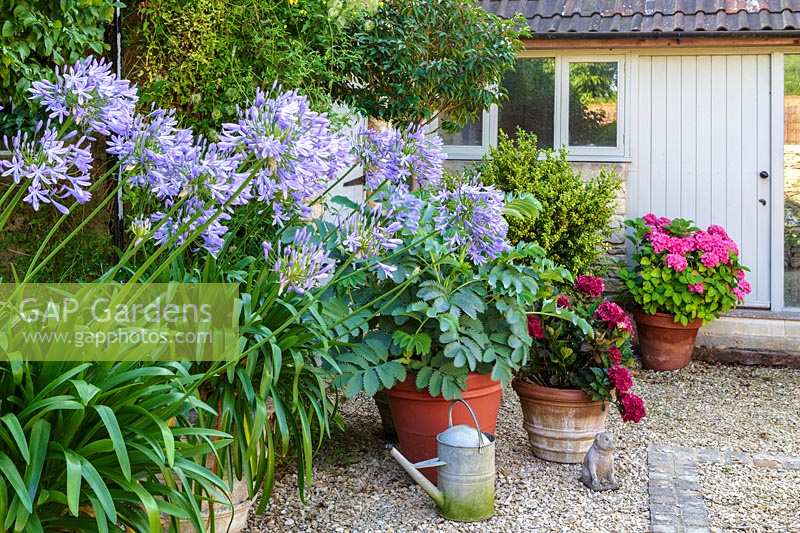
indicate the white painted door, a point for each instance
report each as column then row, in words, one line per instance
column 702, row 138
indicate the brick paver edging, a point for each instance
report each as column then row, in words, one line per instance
column 676, row 498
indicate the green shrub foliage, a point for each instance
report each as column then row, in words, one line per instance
column 202, row 57
column 575, row 221
column 417, row 58
column 35, row 35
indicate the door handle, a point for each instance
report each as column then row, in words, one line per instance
column 762, row 201
column 763, row 174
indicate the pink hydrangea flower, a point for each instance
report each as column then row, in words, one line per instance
column 615, row 354
column 676, row 262
column 655, row 221
column 563, row 301
column 535, row 328
column 710, row 259
column 590, row 285
column 632, row 407
column 621, row 378
column 698, row 288
column 614, row 316
column 659, row 240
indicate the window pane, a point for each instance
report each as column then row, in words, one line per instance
column 593, row 91
column 791, row 183
column 531, row 99
column 470, row 135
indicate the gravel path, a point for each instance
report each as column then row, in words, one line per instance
column 359, row 488
column 746, row 498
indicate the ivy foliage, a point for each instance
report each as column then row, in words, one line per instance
column 417, row 58
column 202, row 57
column 575, row 222
column 36, row 35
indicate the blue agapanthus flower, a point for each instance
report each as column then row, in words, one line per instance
column 398, row 158
column 297, row 152
column 90, row 94
column 302, row 266
column 369, row 233
column 54, row 168
column 471, row 216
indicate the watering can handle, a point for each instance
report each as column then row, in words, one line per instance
column 471, row 412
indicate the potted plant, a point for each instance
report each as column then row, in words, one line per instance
column 681, row 278
column 575, row 370
column 457, row 325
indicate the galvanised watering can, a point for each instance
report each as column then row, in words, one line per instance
column 466, row 470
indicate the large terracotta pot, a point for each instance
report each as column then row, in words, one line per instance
column 663, row 343
column 419, row 417
column 561, row 423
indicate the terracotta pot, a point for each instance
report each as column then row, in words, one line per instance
column 663, row 343
column 561, row 423
column 224, row 516
column 419, row 417
column 385, row 412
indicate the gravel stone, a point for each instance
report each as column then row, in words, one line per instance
column 749, row 498
column 359, row 488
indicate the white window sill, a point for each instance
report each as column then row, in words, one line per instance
column 576, row 158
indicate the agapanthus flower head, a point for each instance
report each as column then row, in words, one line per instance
column 90, row 94
column 535, row 328
column 394, row 158
column 302, row 265
column 614, row 316
column 620, row 377
column 140, row 228
column 471, row 216
column 298, row 151
column 367, row 233
column 187, row 220
column 631, row 407
column 591, row 286
column 54, row 168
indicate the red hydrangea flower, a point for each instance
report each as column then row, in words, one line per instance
column 563, row 301
column 615, row 354
column 590, row 286
column 631, row 407
column 614, row 316
column 535, row 328
column 621, row 378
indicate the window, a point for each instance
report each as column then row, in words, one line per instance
column 791, row 180
column 567, row 101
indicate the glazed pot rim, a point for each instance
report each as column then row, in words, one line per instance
column 532, row 390
column 664, row 320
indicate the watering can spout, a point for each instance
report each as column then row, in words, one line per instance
column 417, row 476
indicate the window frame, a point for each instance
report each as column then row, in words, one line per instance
column 463, row 152
column 562, row 120
column 602, row 154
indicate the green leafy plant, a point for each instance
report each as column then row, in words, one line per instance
column 592, row 354
column 682, row 270
column 575, row 221
column 417, row 58
column 452, row 317
column 90, row 447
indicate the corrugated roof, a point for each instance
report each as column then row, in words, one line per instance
column 576, row 17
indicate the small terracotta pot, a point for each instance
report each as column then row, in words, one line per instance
column 419, row 417
column 663, row 343
column 561, row 423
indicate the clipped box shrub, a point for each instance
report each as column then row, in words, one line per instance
column 575, row 222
